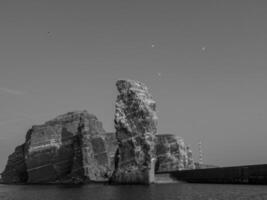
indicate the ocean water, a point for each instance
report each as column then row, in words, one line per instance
column 177, row 191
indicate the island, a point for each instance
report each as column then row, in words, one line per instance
column 74, row 148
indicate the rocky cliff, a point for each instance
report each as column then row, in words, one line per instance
column 15, row 170
column 135, row 124
column 190, row 162
column 111, row 148
column 72, row 148
column 172, row 154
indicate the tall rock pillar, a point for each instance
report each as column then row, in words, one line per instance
column 135, row 124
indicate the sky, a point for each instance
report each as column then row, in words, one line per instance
column 203, row 61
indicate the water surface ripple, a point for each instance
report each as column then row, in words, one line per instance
column 179, row 191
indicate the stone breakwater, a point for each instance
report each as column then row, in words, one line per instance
column 74, row 148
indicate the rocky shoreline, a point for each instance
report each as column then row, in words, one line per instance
column 74, row 148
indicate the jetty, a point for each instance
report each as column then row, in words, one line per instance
column 249, row 174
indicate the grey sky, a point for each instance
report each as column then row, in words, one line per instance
column 204, row 61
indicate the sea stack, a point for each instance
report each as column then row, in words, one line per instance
column 136, row 126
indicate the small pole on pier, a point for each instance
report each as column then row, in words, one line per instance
column 200, row 161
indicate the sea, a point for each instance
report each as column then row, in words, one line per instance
column 173, row 191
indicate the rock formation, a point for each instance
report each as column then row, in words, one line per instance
column 111, row 147
column 172, row 154
column 135, row 124
column 15, row 170
column 72, row 148
column 190, row 162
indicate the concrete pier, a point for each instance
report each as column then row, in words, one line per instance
column 250, row 174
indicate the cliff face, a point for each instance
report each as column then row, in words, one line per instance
column 135, row 124
column 72, row 148
column 111, row 148
column 172, row 154
column 190, row 163
column 15, row 170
